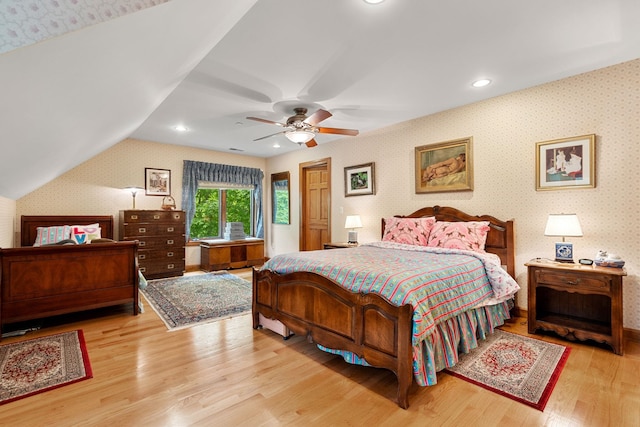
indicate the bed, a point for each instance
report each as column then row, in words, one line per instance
column 302, row 291
column 53, row 279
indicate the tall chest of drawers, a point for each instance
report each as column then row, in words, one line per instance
column 161, row 237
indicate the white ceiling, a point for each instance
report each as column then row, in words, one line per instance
column 209, row 64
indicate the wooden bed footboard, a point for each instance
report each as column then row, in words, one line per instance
column 51, row 280
column 327, row 314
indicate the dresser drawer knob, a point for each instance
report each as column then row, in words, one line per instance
column 169, row 254
column 573, row 282
column 142, row 256
column 156, row 217
column 170, row 229
column 142, row 243
column 170, row 242
column 171, row 266
column 142, row 269
column 134, row 216
column 142, row 230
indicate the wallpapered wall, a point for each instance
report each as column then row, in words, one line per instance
column 96, row 186
column 505, row 130
column 26, row 22
column 7, row 220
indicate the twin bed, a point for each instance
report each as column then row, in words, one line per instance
column 409, row 303
column 48, row 280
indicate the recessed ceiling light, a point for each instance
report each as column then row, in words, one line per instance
column 181, row 128
column 481, row 83
column 276, row 145
column 373, row 1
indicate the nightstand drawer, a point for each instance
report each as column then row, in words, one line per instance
column 569, row 280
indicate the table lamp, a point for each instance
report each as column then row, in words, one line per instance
column 353, row 222
column 134, row 191
column 563, row 225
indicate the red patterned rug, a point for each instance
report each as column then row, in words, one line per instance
column 521, row 368
column 41, row 364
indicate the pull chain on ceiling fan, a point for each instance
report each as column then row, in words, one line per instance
column 302, row 129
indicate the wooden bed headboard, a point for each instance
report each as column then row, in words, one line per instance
column 29, row 225
column 500, row 239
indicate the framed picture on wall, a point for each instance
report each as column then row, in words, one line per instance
column 359, row 180
column 566, row 163
column 157, row 182
column 445, row 166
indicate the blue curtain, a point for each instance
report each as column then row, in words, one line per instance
column 213, row 172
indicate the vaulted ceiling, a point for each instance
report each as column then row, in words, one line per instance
column 207, row 65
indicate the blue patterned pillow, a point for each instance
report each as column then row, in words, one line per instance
column 49, row 235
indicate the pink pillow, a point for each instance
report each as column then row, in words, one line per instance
column 410, row 231
column 469, row 236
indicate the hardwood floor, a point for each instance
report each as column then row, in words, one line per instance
column 227, row 374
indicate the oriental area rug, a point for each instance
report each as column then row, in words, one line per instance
column 189, row 300
column 41, row 364
column 521, row 368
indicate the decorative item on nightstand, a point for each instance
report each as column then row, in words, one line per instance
column 353, row 222
column 134, row 191
column 563, row 225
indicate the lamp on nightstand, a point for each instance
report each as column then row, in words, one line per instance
column 563, row 225
column 134, row 191
column 353, row 222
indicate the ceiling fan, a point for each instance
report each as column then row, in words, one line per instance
column 302, row 129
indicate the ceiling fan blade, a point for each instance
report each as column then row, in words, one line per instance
column 317, row 117
column 270, row 122
column 311, row 144
column 338, row 131
column 269, row 136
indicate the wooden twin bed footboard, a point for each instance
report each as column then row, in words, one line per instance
column 39, row 282
column 327, row 314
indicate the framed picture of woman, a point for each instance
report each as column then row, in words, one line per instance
column 445, row 166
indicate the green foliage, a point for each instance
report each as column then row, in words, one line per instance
column 208, row 220
column 281, row 214
column 239, row 208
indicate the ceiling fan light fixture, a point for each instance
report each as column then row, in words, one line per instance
column 300, row 136
column 373, row 1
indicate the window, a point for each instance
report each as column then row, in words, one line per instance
column 280, row 197
column 218, row 205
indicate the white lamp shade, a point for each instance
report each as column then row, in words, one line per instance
column 300, row 136
column 353, row 221
column 134, row 190
column 563, row 225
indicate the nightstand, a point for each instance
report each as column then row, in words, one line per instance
column 339, row 245
column 576, row 302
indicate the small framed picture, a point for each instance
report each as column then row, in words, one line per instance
column 566, row 163
column 157, row 182
column 445, row 166
column 359, row 180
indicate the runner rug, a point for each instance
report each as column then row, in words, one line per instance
column 189, row 300
column 41, row 364
column 521, row 368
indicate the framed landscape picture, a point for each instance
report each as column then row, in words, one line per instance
column 445, row 166
column 359, row 180
column 157, row 182
column 566, row 163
